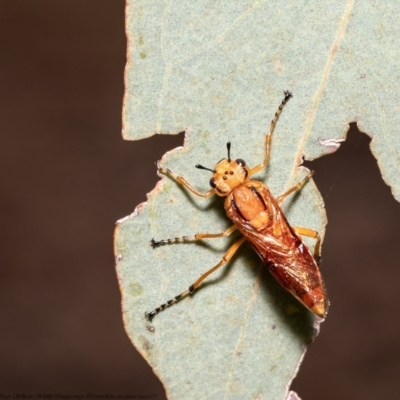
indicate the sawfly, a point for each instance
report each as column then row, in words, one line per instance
column 257, row 215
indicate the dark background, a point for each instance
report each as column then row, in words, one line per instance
column 67, row 176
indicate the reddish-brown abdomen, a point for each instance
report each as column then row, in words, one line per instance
column 258, row 217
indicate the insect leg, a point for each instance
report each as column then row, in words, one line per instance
column 313, row 234
column 227, row 256
column 268, row 137
column 183, row 182
column 198, row 236
column 282, row 197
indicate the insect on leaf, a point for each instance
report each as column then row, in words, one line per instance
column 218, row 71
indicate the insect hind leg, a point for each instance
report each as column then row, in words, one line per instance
column 227, row 256
column 198, row 236
column 315, row 235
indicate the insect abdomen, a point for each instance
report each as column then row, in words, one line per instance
column 303, row 280
column 258, row 217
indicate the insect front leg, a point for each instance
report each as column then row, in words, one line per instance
column 294, row 188
column 315, row 235
column 198, row 236
column 183, row 182
column 268, row 137
column 227, row 256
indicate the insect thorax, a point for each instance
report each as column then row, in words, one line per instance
column 250, row 203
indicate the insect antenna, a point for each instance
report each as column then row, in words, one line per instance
column 228, row 146
column 208, row 169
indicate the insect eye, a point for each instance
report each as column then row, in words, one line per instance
column 241, row 162
column 212, row 183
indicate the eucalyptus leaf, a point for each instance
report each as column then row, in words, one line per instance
column 217, row 70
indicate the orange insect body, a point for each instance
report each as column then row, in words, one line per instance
column 260, row 220
column 257, row 215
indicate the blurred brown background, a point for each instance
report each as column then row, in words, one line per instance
column 67, row 176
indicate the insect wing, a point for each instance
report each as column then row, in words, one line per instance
column 303, row 280
column 286, row 256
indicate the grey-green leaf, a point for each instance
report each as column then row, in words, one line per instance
column 217, row 70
